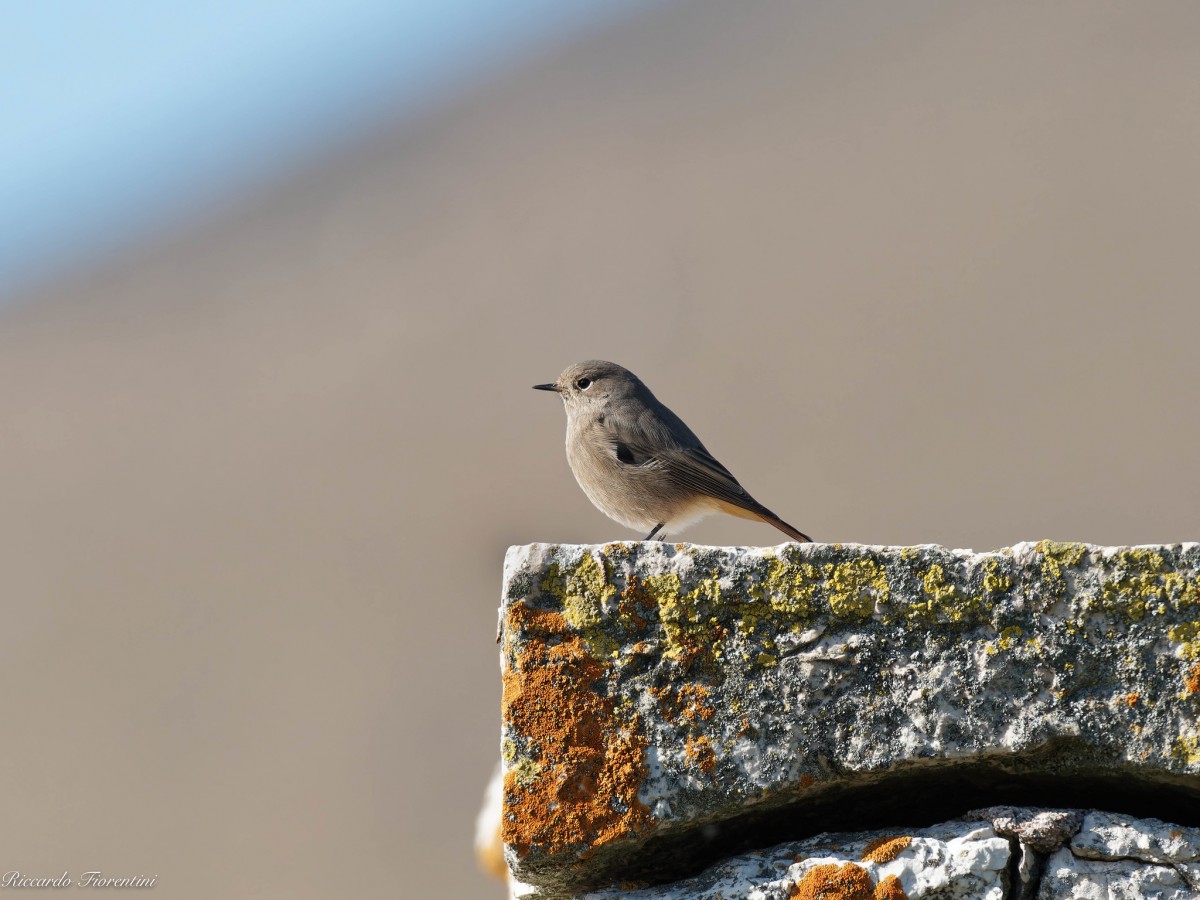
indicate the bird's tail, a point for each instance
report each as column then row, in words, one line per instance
column 762, row 514
column 795, row 534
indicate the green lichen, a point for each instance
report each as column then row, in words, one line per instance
column 585, row 591
column 788, row 588
column 1057, row 559
column 1137, row 583
column 1142, row 584
column 995, row 579
column 1181, row 593
column 854, row 587
column 1187, row 635
column 1009, row 637
column 525, row 772
column 944, row 600
column 937, row 586
column 662, row 588
column 687, row 618
column 1187, row 750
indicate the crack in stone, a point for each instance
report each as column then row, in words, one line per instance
column 1032, row 873
column 1015, row 888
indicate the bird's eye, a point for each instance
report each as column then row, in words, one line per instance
column 583, row 383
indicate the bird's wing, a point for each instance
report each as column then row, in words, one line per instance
column 695, row 468
column 647, row 441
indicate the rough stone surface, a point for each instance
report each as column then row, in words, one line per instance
column 1120, row 856
column 1042, row 830
column 957, row 860
column 1097, row 856
column 1038, row 832
column 666, row 703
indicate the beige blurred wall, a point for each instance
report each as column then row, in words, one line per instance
column 916, row 274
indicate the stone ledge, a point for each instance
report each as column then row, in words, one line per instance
column 996, row 854
column 665, row 704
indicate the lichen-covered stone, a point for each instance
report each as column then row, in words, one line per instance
column 1096, row 856
column 957, row 860
column 653, row 691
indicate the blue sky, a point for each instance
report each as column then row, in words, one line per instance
column 120, row 117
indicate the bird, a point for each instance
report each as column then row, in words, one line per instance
column 638, row 462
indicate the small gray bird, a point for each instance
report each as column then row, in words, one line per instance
column 637, row 461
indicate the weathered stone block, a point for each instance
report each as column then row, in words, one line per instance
column 1110, row 856
column 664, row 703
column 955, row 860
column 1119, row 856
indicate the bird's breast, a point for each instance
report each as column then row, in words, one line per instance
column 637, row 496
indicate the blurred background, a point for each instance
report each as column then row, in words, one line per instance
column 277, row 278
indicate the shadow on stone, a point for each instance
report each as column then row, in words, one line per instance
column 916, row 797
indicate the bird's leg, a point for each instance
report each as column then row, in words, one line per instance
column 655, row 530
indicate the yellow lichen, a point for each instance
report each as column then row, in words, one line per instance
column 1187, row 750
column 692, row 633
column 1009, row 637
column 1058, row 557
column 995, row 581
column 1187, row 636
column 1138, row 582
column 936, row 585
column 586, row 594
column 855, row 586
column 788, row 587
column 944, row 601
column 525, row 772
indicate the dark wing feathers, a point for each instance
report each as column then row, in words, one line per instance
column 653, row 436
column 659, row 437
column 625, row 453
column 698, row 470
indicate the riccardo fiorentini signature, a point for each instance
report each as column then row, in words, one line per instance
column 94, row 878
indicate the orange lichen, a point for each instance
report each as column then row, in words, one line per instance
column 583, row 791
column 1191, row 684
column 1131, row 699
column 834, row 882
column 635, row 605
column 890, row 889
column 699, row 750
column 692, row 699
column 885, row 849
column 847, row 882
column 686, row 702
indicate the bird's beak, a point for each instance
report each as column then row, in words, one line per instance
column 546, row 387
